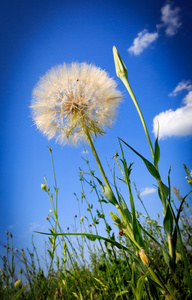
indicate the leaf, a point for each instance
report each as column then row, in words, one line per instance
column 107, row 193
column 134, row 222
column 151, row 168
column 101, row 283
column 168, row 222
column 115, row 218
column 157, row 153
column 139, row 289
column 177, row 221
column 17, row 295
column 163, row 192
column 120, row 294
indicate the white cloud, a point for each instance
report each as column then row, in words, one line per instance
column 183, row 85
column 142, row 41
column 147, row 191
column 171, row 19
column 175, row 122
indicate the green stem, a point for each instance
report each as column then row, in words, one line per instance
column 56, row 189
column 127, row 85
column 97, row 158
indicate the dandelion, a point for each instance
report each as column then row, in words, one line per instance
column 73, row 101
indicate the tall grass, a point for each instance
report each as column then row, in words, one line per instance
column 95, row 269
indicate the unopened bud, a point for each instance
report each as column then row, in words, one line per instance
column 18, row 284
column 121, row 70
column 145, row 260
column 44, row 187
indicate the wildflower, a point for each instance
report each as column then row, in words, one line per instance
column 81, row 219
column 18, row 283
column 67, row 228
column 70, row 100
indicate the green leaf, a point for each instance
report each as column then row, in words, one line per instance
column 120, row 294
column 107, row 193
column 151, row 168
column 163, row 192
column 168, row 222
column 115, row 218
column 101, row 283
column 157, row 153
column 17, row 295
column 135, row 225
column 139, row 289
column 177, row 221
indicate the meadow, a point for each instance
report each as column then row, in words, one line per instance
column 148, row 259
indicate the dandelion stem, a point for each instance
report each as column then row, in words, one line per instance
column 89, row 139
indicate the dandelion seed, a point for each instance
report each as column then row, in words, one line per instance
column 71, row 100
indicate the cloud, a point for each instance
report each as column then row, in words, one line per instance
column 147, row 191
column 142, row 41
column 183, row 85
column 171, row 19
column 175, row 122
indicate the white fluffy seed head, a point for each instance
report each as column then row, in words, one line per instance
column 71, row 98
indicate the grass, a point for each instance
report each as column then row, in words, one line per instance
column 95, row 269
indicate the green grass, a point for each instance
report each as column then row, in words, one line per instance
column 96, row 269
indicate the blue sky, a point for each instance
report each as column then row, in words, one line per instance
column 154, row 40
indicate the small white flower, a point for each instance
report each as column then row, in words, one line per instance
column 71, row 99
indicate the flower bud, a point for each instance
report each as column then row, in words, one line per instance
column 18, row 284
column 44, row 187
column 145, row 260
column 121, row 70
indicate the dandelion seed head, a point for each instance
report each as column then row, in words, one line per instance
column 70, row 98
